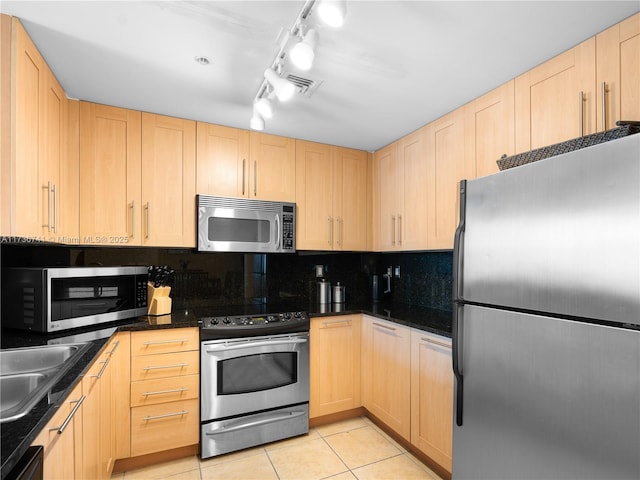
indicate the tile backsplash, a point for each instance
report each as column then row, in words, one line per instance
column 219, row 279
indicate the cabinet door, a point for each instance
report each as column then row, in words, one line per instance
column 556, row 100
column 168, row 181
column 91, row 424
column 386, row 368
column 62, row 441
column 314, row 197
column 412, row 210
column 489, row 129
column 68, row 206
column 110, row 207
column 222, row 161
column 5, row 124
column 447, row 166
column 119, row 353
column 387, row 177
column 618, row 73
column 335, row 364
column 350, row 198
column 30, row 93
column 52, row 152
column 432, row 396
column 272, row 170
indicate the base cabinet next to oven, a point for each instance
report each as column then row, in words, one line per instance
column 165, row 367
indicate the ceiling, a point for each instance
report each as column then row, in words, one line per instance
column 393, row 67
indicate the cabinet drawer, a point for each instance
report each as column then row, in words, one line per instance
column 164, row 341
column 155, row 428
column 162, row 390
column 149, row 367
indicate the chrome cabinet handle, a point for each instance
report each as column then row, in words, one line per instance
column 115, row 346
column 62, row 427
column 435, row 342
column 104, row 366
column 160, row 367
column 581, row 112
column 339, row 231
column 330, row 220
column 244, row 162
column 164, row 342
column 336, row 323
column 399, row 229
column 176, row 414
column 393, row 229
column 255, row 178
column 604, row 106
column 48, row 188
column 147, row 207
column 384, row 326
column 55, row 209
column 133, row 219
column 162, row 392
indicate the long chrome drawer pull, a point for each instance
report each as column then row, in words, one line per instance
column 176, row 365
column 266, row 343
column 436, row 342
column 115, row 346
column 286, row 416
column 104, row 366
column 155, row 417
column 384, row 326
column 160, row 392
column 146, row 344
column 337, row 323
column 62, row 427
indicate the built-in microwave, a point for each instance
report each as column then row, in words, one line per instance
column 46, row 299
column 243, row 225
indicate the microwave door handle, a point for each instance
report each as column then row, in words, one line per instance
column 278, row 232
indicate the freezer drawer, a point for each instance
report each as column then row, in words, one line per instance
column 546, row 398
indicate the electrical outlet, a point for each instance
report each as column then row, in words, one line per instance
column 396, row 271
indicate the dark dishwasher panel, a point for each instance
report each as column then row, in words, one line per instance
column 30, row 466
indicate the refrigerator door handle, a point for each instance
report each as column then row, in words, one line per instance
column 458, row 243
column 456, row 354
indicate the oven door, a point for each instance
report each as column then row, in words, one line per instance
column 240, row 376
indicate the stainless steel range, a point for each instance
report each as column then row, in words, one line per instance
column 254, row 384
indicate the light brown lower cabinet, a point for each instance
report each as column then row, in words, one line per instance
column 62, row 439
column 432, row 396
column 334, row 364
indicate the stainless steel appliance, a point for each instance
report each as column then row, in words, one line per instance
column 242, row 225
column 546, row 347
column 54, row 299
column 254, row 380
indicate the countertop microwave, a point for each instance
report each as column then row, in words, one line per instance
column 228, row 224
column 46, row 299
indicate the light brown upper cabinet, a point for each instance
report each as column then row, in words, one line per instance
column 489, row 129
column 39, row 116
column 447, row 165
column 222, row 161
column 110, row 202
column 272, row 167
column 331, row 195
column 168, row 181
column 618, row 73
column 556, row 101
column 400, row 195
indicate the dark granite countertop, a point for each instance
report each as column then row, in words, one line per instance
column 17, row 436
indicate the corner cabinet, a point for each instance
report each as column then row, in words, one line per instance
column 110, row 175
column 331, row 196
column 335, row 364
column 168, row 181
column 618, row 73
column 386, row 367
column 432, row 396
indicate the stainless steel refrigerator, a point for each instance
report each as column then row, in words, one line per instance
column 546, row 334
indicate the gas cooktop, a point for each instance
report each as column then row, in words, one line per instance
column 234, row 326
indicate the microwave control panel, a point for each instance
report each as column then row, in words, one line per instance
column 288, row 232
column 141, row 291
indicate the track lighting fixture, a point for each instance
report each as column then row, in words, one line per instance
column 302, row 53
column 298, row 43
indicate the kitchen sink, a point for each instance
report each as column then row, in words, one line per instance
column 28, row 374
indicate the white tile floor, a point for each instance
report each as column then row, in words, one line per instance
column 347, row 450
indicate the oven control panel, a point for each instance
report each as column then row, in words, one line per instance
column 253, row 325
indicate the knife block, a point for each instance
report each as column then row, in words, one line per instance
column 158, row 300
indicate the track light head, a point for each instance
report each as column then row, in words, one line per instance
column 264, row 108
column 333, row 12
column 302, row 53
column 257, row 122
column 283, row 89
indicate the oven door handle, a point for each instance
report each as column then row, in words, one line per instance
column 251, row 344
column 255, row 423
